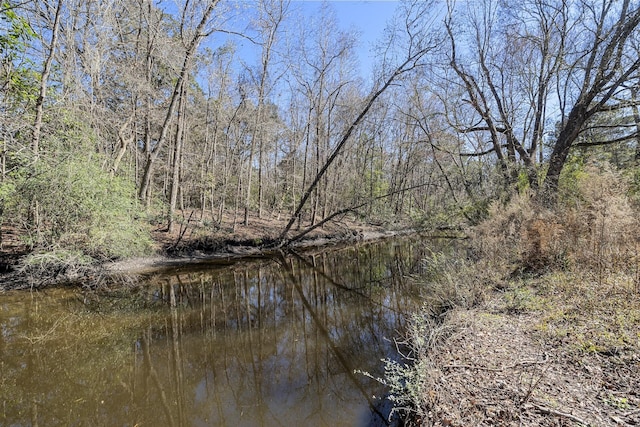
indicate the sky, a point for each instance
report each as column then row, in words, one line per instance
column 367, row 17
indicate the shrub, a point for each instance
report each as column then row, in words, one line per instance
column 519, row 232
column 71, row 203
column 55, row 262
column 450, row 281
column 593, row 225
column 412, row 381
column 600, row 222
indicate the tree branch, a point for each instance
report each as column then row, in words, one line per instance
column 409, row 64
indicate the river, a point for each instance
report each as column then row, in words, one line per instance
column 276, row 341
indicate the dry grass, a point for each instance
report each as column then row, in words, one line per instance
column 555, row 339
column 555, row 350
column 595, row 227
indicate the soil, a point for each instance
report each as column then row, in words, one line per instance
column 500, row 368
column 493, row 373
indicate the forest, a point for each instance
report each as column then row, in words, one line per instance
column 510, row 128
column 121, row 115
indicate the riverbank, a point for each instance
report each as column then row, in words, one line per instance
column 552, row 344
column 235, row 247
column 562, row 348
column 538, row 326
column 191, row 242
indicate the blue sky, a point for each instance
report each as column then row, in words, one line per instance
column 369, row 17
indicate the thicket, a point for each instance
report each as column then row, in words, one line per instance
column 69, row 210
column 592, row 226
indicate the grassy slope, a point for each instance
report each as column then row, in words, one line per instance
column 559, row 349
column 542, row 329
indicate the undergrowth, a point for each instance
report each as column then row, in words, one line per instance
column 575, row 268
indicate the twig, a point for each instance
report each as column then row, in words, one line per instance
column 183, row 230
column 618, row 420
column 479, row 368
column 534, row 386
column 550, row 411
column 484, row 368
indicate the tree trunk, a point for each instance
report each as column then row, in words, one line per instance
column 37, row 124
column 636, row 121
column 560, row 153
column 183, row 76
column 408, row 65
column 124, row 141
column 177, row 156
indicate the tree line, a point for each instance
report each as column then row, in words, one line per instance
column 120, row 112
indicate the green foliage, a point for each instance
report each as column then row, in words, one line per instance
column 435, row 219
column 523, row 182
column 79, row 206
column 17, row 77
column 374, row 181
column 66, row 202
column 621, row 403
column 521, row 299
column 16, row 31
column 7, row 193
column 570, row 178
column 476, row 211
column 633, row 177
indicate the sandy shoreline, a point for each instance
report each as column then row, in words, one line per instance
column 145, row 265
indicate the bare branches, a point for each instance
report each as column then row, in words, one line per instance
column 410, row 63
column 609, row 68
column 37, row 124
column 512, row 65
column 198, row 35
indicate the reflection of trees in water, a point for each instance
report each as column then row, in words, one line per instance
column 288, row 334
column 60, row 365
column 264, row 343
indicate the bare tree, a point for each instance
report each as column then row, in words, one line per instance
column 56, row 11
column 504, row 72
column 418, row 39
column 322, row 75
column 597, row 76
column 271, row 14
column 191, row 36
column 520, row 71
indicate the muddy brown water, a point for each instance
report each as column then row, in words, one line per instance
column 264, row 342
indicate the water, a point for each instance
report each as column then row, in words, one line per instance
column 266, row 342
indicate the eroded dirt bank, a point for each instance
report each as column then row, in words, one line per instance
column 191, row 243
column 229, row 249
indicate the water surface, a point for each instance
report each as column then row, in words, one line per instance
column 265, row 342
